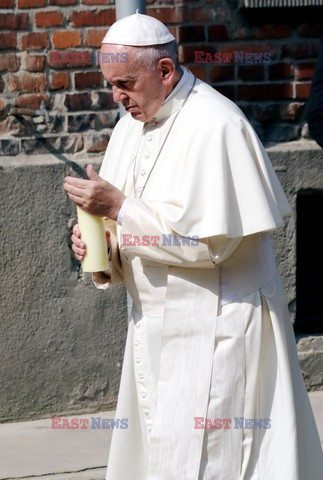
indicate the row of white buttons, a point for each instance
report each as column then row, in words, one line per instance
column 141, row 377
column 147, row 157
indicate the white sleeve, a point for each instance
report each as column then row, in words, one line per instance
column 121, row 213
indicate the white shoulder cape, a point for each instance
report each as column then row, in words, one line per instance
column 216, row 176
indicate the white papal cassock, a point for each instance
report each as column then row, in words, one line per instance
column 209, row 334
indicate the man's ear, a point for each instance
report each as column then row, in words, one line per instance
column 167, row 69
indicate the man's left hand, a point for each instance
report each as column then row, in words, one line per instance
column 95, row 196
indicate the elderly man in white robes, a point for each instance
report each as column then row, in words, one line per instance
column 211, row 383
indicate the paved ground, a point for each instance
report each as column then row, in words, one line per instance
column 35, row 451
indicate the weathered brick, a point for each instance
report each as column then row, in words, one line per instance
column 264, row 91
column 95, row 121
column 8, row 40
column 279, row 70
column 251, row 72
column 67, row 39
column 32, row 101
column 9, row 147
column 102, row 100
column 27, row 83
column 280, row 90
column 187, row 34
column 305, row 133
column 300, row 50
column 34, row 146
column 164, row 2
column 35, row 63
column 77, row 101
column 31, row 3
column 217, row 33
column 93, row 18
column 80, row 123
column 95, row 142
column 70, row 59
column 304, row 71
column 281, row 133
column 241, row 33
column 204, row 14
column 107, row 119
column 223, row 14
column 48, row 19
column 14, row 21
column 302, row 90
column 247, row 108
column 62, row 2
column 258, row 47
column 97, row 2
column 186, row 53
column 265, row 113
column 68, row 144
column 59, row 80
column 9, row 62
column 259, row 129
column 306, row 30
column 291, row 111
column 272, row 31
column 88, row 80
column 34, row 41
column 169, row 14
column 55, row 124
column 172, row 29
column 1, row 84
column 221, row 73
column 226, row 90
column 198, row 70
column 7, row 3
column 13, row 127
column 93, row 38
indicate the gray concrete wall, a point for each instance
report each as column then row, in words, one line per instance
column 61, row 340
column 299, row 166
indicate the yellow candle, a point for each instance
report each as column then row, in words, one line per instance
column 93, row 234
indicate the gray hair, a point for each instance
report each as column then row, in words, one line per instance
column 149, row 56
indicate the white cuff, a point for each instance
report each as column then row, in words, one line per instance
column 121, row 213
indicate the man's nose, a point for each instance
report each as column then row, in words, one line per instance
column 118, row 94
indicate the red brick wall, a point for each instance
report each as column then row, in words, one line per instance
column 81, row 112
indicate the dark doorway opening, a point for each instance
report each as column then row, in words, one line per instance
column 309, row 266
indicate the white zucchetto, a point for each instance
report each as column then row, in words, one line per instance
column 137, row 31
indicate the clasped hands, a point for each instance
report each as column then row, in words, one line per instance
column 95, row 196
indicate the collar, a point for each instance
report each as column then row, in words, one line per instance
column 176, row 98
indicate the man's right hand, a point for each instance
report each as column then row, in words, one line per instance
column 78, row 246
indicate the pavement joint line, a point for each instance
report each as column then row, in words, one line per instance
column 43, row 475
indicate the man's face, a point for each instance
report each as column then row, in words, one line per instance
column 141, row 91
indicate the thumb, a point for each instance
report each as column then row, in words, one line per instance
column 91, row 173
